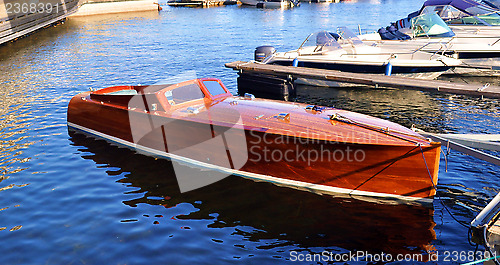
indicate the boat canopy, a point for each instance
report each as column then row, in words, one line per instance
column 463, row 12
column 492, row 3
column 430, row 25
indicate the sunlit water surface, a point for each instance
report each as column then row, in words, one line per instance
column 68, row 199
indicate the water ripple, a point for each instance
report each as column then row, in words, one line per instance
column 66, row 198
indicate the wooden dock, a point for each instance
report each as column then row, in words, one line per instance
column 367, row 79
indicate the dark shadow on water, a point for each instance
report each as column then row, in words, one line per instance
column 292, row 218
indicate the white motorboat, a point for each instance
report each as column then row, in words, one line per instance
column 465, row 17
column 344, row 51
column 270, row 3
column 428, row 32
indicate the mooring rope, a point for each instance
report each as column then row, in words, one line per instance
column 387, row 131
column 437, row 194
column 483, row 260
column 487, row 247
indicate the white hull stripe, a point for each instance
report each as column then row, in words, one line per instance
column 315, row 188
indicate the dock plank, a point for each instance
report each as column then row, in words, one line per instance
column 495, row 228
column 368, row 79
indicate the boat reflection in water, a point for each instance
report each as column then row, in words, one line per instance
column 296, row 220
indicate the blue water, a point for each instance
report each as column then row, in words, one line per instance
column 68, row 199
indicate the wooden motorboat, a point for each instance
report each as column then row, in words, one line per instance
column 318, row 149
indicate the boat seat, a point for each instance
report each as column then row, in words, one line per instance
column 123, row 92
column 386, row 35
column 392, row 29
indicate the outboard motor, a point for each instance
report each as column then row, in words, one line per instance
column 263, row 52
column 386, row 35
column 392, row 29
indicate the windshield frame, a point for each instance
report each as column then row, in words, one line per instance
column 322, row 41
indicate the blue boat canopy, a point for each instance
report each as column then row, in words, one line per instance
column 462, row 12
column 492, row 3
column 462, row 5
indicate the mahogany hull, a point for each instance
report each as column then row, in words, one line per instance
column 406, row 172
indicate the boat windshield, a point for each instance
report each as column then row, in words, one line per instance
column 319, row 42
column 184, row 93
column 430, row 25
column 348, row 37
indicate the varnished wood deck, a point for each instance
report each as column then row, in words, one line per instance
column 367, row 79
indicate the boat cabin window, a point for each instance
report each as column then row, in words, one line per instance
column 214, row 88
column 450, row 13
column 183, row 94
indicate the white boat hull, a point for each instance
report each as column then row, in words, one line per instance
column 266, row 4
column 479, row 46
